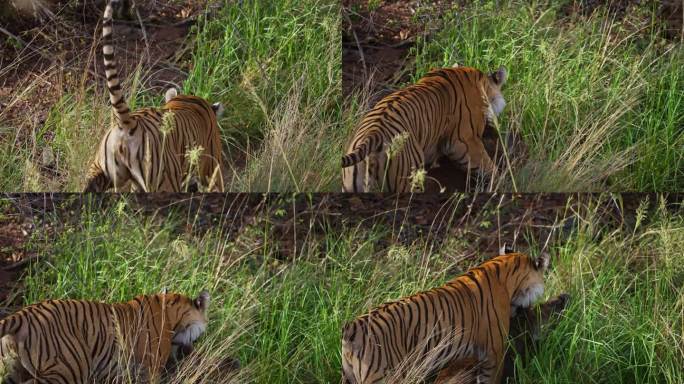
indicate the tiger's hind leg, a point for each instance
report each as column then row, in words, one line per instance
column 458, row 372
column 404, row 168
column 365, row 175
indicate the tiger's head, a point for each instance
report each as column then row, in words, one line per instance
column 527, row 283
column 495, row 80
column 187, row 316
column 216, row 107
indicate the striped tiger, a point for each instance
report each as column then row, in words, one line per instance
column 444, row 114
column 467, row 318
column 75, row 341
column 525, row 333
column 149, row 147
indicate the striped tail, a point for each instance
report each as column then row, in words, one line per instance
column 361, row 150
column 118, row 102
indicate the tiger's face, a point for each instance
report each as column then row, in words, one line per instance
column 529, row 285
column 189, row 316
column 495, row 81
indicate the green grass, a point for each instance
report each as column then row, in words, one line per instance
column 282, row 319
column 598, row 101
column 276, row 67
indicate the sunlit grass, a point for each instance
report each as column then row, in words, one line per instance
column 282, row 318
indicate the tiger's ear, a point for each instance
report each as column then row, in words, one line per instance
column 164, row 290
column 170, row 94
column 218, row 109
column 499, row 76
column 542, row 262
column 506, row 249
column 202, row 302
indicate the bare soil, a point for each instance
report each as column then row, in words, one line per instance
column 15, row 231
column 291, row 218
column 376, row 40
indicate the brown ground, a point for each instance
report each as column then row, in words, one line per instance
column 376, row 41
column 406, row 217
column 15, row 230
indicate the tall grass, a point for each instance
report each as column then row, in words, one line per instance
column 277, row 65
column 598, row 101
column 283, row 318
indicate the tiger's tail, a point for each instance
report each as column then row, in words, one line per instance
column 361, row 150
column 116, row 98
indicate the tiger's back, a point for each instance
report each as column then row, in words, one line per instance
column 444, row 113
column 468, row 317
column 75, row 341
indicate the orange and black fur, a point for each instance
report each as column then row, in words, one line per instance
column 444, row 114
column 147, row 149
column 467, row 318
column 73, row 341
column 525, row 332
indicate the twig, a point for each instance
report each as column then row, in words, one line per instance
column 20, row 263
column 15, row 37
column 358, row 44
column 144, row 32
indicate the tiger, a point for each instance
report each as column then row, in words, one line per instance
column 444, row 114
column 148, row 148
column 524, row 334
column 77, row 341
column 467, row 318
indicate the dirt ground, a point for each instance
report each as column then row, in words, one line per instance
column 482, row 221
column 376, row 40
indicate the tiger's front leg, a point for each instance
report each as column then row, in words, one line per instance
column 479, row 158
column 458, row 371
column 482, row 369
column 488, row 371
column 471, row 155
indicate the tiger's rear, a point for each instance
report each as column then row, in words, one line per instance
column 71, row 341
column 444, row 114
column 148, row 149
column 467, row 318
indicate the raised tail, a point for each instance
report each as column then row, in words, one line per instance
column 117, row 100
